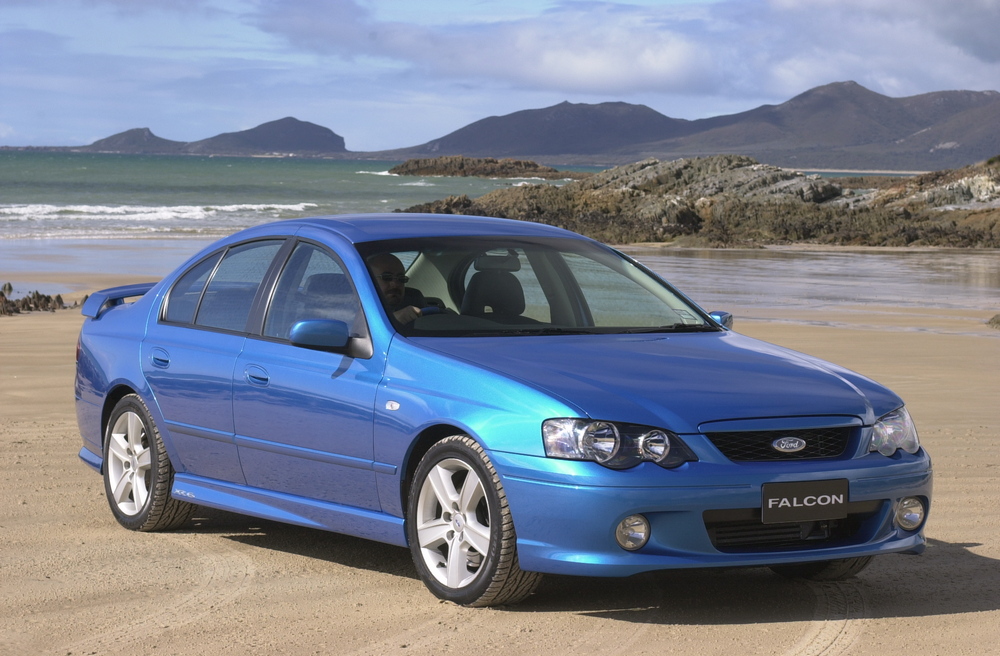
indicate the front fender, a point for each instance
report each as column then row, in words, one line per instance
column 422, row 389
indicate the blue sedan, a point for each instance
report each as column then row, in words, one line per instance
column 504, row 398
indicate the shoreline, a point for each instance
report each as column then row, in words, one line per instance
column 753, row 280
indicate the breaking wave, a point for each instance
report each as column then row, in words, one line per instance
column 20, row 221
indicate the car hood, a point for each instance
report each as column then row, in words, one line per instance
column 677, row 381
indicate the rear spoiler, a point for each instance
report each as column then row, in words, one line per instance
column 107, row 298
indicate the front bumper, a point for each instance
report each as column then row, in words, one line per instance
column 565, row 513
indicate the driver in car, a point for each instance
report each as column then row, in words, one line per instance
column 389, row 275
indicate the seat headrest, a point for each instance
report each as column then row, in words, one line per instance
column 498, row 290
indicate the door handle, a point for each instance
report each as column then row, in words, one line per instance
column 256, row 375
column 160, row 358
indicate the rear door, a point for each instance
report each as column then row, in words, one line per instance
column 188, row 355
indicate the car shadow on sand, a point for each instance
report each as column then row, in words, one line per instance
column 335, row 548
column 948, row 578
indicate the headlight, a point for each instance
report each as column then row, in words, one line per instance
column 613, row 444
column 894, row 431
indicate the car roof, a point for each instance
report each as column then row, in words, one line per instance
column 358, row 228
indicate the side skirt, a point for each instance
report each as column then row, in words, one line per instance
column 290, row 509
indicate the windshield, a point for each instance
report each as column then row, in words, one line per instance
column 522, row 286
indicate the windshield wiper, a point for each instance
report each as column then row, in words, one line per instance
column 517, row 332
column 673, row 328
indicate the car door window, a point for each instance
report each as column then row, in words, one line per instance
column 229, row 296
column 182, row 302
column 313, row 285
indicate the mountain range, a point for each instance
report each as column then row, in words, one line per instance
column 841, row 125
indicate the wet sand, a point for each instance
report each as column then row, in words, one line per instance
column 73, row 582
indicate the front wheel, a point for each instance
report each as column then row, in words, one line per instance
column 824, row 570
column 460, row 529
column 138, row 475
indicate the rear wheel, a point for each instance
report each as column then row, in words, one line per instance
column 824, row 570
column 138, row 475
column 460, row 528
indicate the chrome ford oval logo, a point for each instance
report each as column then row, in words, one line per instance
column 789, row 444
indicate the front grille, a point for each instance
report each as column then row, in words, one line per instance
column 749, row 446
column 740, row 530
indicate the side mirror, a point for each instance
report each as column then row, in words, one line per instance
column 724, row 319
column 320, row 334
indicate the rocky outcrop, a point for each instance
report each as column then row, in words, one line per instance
column 33, row 302
column 483, row 167
column 730, row 200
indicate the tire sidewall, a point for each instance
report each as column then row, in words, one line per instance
column 457, row 448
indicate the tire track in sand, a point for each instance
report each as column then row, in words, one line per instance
column 837, row 621
column 223, row 574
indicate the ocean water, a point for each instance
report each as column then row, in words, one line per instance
column 87, row 196
column 143, row 216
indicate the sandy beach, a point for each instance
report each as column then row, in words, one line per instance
column 73, row 582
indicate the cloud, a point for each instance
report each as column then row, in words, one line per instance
column 576, row 47
column 389, row 73
column 736, row 47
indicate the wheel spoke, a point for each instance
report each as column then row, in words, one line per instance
column 441, row 484
column 144, row 458
column 458, row 565
column 478, row 537
column 136, row 431
column 472, row 491
column 121, row 488
column 118, row 447
column 433, row 533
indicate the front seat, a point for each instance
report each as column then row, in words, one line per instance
column 495, row 295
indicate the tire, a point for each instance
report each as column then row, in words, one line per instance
column 138, row 475
column 460, row 529
column 824, row 570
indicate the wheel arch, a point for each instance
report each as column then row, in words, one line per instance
column 116, row 394
column 111, row 399
column 423, row 442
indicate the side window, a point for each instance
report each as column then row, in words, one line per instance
column 312, row 285
column 182, row 302
column 227, row 299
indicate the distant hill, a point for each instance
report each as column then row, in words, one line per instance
column 140, row 141
column 563, row 129
column 844, row 125
column 838, row 126
column 287, row 136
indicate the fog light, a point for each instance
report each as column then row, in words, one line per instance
column 632, row 532
column 910, row 513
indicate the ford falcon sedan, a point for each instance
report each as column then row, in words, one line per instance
column 503, row 398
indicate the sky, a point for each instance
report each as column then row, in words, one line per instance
column 396, row 73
